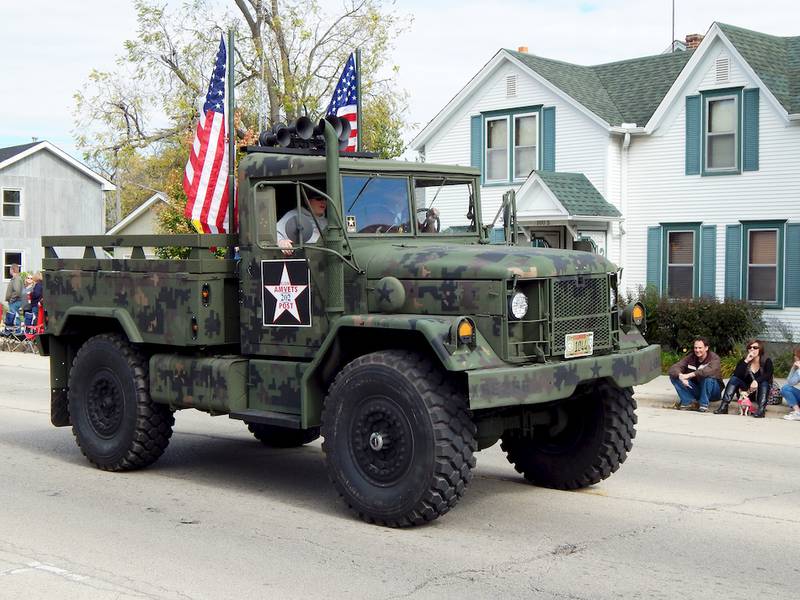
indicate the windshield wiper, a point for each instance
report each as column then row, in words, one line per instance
column 360, row 192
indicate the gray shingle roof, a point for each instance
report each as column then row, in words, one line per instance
column 627, row 91
column 10, row 151
column 577, row 194
column 776, row 61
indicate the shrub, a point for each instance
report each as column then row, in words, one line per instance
column 676, row 323
column 669, row 358
column 728, row 364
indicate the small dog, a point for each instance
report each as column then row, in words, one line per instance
column 745, row 404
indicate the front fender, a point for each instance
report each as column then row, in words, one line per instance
column 437, row 331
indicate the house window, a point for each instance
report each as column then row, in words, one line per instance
column 12, row 204
column 11, row 257
column 510, row 144
column 497, row 149
column 680, row 264
column 721, row 132
column 525, row 136
column 762, row 265
column 679, row 261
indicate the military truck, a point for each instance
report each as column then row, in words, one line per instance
column 403, row 337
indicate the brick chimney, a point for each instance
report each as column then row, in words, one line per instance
column 523, row 49
column 693, row 40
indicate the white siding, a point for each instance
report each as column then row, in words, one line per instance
column 581, row 144
column 659, row 191
column 57, row 199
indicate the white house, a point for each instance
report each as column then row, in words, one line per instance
column 690, row 159
column 142, row 221
column 45, row 191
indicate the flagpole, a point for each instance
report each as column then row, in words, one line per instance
column 358, row 99
column 231, row 144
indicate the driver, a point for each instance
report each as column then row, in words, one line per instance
column 293, row 223
column 430, row 221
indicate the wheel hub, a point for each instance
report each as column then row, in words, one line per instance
column 382, row 442
column 104, row 404
column 376, row 441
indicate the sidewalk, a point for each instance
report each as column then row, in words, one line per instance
column 659, row 393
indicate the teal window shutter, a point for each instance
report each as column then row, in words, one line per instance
column 792, row 280
column 750, row 130
column 733, row 261
column 549, row 138
column 693, row 135
column 708, row 261
column 476, row 140
column 654, row 257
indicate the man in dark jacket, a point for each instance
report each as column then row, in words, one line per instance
column 697, row 377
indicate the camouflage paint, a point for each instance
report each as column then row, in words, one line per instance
column 533, row 384
column 215, row 385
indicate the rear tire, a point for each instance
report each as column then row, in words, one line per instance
column 116, row 424
column 398, row 439
column 594, row 442
column 279, row 437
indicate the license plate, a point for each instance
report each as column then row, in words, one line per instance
column 578, row 344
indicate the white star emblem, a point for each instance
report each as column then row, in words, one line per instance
column 286, row 294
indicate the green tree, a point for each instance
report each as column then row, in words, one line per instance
column 138, row 118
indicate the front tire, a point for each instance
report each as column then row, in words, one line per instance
column 588, row 447
column 398, row 439
column 116, row 424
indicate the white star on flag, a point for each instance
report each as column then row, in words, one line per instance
column 286, row 294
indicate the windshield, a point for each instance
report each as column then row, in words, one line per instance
column 444, row 206
column 376, row 204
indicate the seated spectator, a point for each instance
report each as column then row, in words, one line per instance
column 697, row 377
column 791, row 391
column 754, row 374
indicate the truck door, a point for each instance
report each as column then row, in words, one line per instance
column 282, row 297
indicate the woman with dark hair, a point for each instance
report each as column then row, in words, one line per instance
column 754, row 374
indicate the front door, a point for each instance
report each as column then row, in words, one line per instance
column 282, row 296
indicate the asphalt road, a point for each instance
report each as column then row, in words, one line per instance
column 705, row 507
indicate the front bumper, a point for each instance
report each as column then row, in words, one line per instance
column 537, row 383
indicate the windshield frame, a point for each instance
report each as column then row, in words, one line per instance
column 454, row 180
column 371, row 176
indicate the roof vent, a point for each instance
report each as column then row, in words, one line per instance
column 511, row 86
column 723, row 69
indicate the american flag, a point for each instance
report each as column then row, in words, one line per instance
column 344, row 102
column 205, row 179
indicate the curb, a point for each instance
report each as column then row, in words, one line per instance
column 651, row 400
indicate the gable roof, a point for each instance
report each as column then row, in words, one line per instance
column 12, row 154
column 139, row 211
column 627, row 91
column 11, row 151
column 776, row 61
column 576, row 194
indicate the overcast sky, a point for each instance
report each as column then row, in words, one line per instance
column 48, row 47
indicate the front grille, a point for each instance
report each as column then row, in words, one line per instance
column 581, row 304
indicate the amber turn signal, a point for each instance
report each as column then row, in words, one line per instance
column 637, row 314
column 466, row 332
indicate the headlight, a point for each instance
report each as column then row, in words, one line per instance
column 518, row 304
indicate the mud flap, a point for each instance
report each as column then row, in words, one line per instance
column 59, row 408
